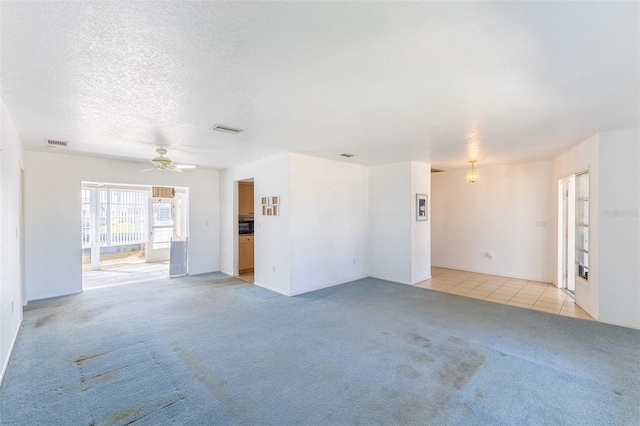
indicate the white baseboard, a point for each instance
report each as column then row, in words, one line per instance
column 327, row 285
column 270, row 288
column 6, row 361
column 428, row 277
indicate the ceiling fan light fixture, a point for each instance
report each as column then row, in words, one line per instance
column 472, row 175
column 163, row 163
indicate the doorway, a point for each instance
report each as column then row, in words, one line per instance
column 566, row 233
column 128, row 232
column 161, row 229
column 245, row 235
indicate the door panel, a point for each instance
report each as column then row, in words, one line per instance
column 161, row 229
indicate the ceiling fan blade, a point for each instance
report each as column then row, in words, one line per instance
column 184, row 166
column 149, row 170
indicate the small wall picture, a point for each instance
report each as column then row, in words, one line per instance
column 422, row 207
column 270, row 206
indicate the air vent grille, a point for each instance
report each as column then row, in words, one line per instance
column 344, row 154
column 163, row 192
column 53, row 142
column 226, row 129
column 436, row 171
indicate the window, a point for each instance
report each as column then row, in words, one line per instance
column 86, row 218
column 120, row 217
column 582, row 225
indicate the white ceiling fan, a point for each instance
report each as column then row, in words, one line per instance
column 163, row 163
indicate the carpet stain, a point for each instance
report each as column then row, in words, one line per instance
column 421, row 357
column 89, row 314
column 460, row 367
column 44, row 320
column 217, row 385
column 121, row 415
column 407, row 371
column 104, row 377
column 83, row 358
column 405, row 413
column 419, row 340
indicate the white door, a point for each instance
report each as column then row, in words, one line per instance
column 161, row 227
column 566, row 233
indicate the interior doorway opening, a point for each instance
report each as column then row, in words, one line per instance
column 566, row 233
column 246, row 231
column 129, row 233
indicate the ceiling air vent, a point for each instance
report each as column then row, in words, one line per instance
column 226, row 129
column 436, row 171
column 57, row 144
column 344, row 154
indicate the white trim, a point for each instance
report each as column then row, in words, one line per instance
column 335, row 283
column 270, row 288
column 320, row 287
column 52, row 296
column 6, row 362
column 428, row 277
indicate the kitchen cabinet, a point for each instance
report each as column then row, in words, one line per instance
column 245, row 253
column 245, row 198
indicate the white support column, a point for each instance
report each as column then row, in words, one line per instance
column 95, row 230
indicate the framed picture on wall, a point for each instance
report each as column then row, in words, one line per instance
column 422, row 207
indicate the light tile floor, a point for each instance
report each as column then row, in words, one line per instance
column 246, row 276
column 510, row 291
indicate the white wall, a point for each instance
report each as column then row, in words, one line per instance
column 271, row 238
column 420, row 231
column 53, row 228
column 508, row 212
column 329, row 223
column 399, row 246
column 619, row 221
column 11, row 163
column 584, row 156
column 390, row 222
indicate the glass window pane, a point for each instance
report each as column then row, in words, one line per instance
column 162, row 214
column 582, row 224
column 162, row 238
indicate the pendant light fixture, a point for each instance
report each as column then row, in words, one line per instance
column 472, row 175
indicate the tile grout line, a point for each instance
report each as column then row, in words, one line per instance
column 461, row 289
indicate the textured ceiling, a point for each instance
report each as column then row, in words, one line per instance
column 440, row 82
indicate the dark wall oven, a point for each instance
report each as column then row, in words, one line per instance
column 245, row 227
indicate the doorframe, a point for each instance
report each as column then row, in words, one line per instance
column 236, row 218
column 23, row 270
column 150, row 256
column 566, row 234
